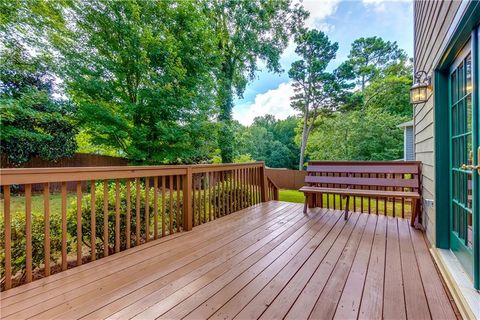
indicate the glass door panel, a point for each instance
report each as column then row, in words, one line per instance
column 461, row 156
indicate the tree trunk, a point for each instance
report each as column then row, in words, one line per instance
column 304, row 142
column 226, row 136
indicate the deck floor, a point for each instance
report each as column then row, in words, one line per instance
column 268, row 261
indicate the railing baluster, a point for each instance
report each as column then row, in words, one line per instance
column 205, row 197
column 117, row 216
column 46, row 227
column 8, row 236
column 147, row 209
column 163, row 206
column 216, row 193
column 199, row 198
column 220, row 194
column 244, row 193
column 155, row 208
column 79, row 223
column 187, row 201
column 137, row 211
column 93, row 219
column 179, row 218
column 170, row 180
column 394, row 199
column 249, row 181
column 105, row 218
column 28, row 231
column 194, row 199
column 210, row 213
column 64, row 225
column 257, row 193
column 230, row 190
column 128, row 217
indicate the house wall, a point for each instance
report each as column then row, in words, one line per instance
column 434, row 23
column 409, row 146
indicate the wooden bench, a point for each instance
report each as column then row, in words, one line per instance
column 365, row 179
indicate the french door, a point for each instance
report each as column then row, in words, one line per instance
column 464, row 149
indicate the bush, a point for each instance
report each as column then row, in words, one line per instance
column 99, row 208
column 38, row 237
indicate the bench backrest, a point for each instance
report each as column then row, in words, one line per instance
column 376, row 175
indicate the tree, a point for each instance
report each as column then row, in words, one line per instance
column 391, row 91
column 32, row 122
column 269, row 140
column 368, row 58
column 141, row 75
column 248, row 32
column 358, row 135
column 315, row 89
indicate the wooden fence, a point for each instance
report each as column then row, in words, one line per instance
column 286, row 178
column 77, row 160
column 124, row 207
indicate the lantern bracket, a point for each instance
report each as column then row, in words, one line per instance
column 422, row 77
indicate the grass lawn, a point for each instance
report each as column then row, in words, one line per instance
column 17, row 203
column 298, row 197
column 291, row 196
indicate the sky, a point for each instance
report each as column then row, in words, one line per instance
column 343, row 21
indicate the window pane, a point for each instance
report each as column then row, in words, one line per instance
column 468, row 66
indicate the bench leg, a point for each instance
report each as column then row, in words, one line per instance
column 305, row 205
column 414, row 211
column 345, row 217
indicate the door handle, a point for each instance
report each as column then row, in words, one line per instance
column 470, row 166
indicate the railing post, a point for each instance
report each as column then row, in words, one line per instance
column 264, row 184
column 187, row 200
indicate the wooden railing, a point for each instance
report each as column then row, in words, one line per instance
column 272, row 190
column 111, row 210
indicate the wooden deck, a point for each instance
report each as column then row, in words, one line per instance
column 267, row 261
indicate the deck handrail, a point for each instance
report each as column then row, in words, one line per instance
column 273, row 190
column 126, row 206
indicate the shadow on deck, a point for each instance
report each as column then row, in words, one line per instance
column 267, row 261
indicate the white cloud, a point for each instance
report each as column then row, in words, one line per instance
column 274, row 101
column 380, row 5
column 319, row 10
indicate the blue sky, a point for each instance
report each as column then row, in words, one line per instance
column 343, row 22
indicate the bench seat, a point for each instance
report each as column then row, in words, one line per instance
column 361, row 192
column 365, row 179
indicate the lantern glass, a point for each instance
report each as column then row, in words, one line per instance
column 419, row 93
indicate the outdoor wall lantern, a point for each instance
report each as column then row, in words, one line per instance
column 421, row 88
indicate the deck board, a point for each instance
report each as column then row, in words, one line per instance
column 268, row 261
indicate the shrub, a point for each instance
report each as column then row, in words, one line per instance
column 99, row 212
column 19, row 240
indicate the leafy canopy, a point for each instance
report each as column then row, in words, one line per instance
column 141, row 75
column 32, row 122
column 368, row 58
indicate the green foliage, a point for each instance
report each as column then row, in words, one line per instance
column 269, row 140
column 248, row 32
column 364, row 127
column 19, row 239
column 369, row 58
column 358, row 135
column 85, row 145
column 99, row 215
column 32, row 123
column 141, row 75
